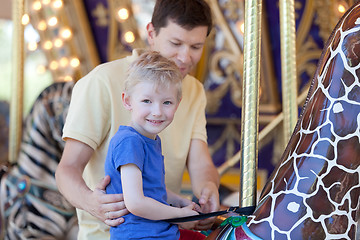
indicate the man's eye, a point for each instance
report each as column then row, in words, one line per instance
column 196, row 47
column 175, row 43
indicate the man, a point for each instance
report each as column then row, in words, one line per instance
column 178, row 31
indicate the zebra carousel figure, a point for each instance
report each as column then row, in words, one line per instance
column 31, row 207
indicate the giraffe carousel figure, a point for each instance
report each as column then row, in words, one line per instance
column 314, row 191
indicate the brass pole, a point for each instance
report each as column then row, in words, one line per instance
column 288, row 66
column 17, row 81
column 250, row 106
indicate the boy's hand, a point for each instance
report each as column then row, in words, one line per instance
column 189, row 210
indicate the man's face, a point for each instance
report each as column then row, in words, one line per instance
column 182, row 46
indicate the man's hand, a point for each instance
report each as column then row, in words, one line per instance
column 109, row 208
column 209, row 202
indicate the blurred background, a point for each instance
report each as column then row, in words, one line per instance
column 65, row 39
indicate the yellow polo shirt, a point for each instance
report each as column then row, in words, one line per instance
column 95, row 113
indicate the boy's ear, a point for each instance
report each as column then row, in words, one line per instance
column 126, row 101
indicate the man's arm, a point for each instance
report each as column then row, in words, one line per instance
column 205, row 179
column 108, row 208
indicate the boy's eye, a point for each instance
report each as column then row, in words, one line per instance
column 167, row 102
column 146, row 101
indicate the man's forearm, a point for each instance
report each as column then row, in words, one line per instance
column 72, row 186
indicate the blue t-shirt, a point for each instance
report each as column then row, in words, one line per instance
column 129, row 146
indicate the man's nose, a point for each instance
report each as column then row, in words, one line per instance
column 184, row 54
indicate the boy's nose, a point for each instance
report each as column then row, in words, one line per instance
column 156, row 110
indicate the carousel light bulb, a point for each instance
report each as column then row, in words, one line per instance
column 75, row 62
column 129, row 37
column 58, row 43
column 40, row 69
column 64, row 62
column 66, row 33
column 54, row 65
column 25, row 19
column 240, row 26
column 46, row 2
column 42, row 25
column 52, row 21
column 32, row 46
column 341, row 8
column 36, row 5
column 57, row 4
column 68, row 78
column 123, row 14
column 47, row 45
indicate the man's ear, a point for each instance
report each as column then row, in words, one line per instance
column 126, row 101
column 150, row 33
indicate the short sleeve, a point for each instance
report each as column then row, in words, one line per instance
column 129, row 150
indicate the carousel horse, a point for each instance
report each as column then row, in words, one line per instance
column 314, row 191
column 30, row 205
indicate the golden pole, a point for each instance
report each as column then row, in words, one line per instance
column 17, row 83
column 288, row 66
column 250, row 106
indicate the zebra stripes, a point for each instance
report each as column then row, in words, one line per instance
column 31, row 207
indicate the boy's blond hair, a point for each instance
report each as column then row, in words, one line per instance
column 151, row 66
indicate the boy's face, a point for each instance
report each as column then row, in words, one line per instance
column 182, row 46
column 152, row 109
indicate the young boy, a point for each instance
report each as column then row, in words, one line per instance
column 135, row 162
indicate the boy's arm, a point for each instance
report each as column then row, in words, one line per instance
column 143, row 206
column 71, row 184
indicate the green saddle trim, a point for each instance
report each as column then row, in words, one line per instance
column 234, row 221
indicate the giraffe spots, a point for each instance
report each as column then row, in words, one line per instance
column 325, row 148
column 293, row 207
column 325, row 133
column 350, row 21
column 306, row 141
column 338, row 108
column 348, row 152
column 309, row 168
column 351, row 49
column 344, row 123
column 336, row 220
column 281, row 211
column 339, row 182
column 335, row 43
column 354, row 94
column 323, row 207
column 314, row 114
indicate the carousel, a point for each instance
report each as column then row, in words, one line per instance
column 283, row 113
